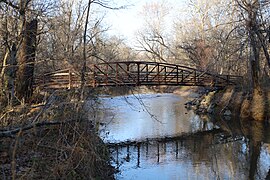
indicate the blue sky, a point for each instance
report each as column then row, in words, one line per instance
column 126, row 22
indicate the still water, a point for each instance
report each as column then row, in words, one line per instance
column 153, row 136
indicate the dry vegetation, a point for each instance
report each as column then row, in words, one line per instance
column 248, row 106
column 60, row 144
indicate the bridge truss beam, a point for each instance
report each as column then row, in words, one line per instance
column 136, row 73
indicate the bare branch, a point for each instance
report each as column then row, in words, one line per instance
column 108, row 7
column 10, row 4
column 13, row 132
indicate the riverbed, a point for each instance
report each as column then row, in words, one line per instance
column 153, row 136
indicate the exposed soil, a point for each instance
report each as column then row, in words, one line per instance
column 233, row 102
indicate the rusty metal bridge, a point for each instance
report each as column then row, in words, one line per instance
column 136, row 73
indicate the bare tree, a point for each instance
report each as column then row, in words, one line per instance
column 115, row 49
column 103, row 4
column 254, row 16
column 20, row 24
column 152, row 39
column 208, row 38
column 26, row 57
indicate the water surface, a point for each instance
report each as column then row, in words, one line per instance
column 155, row 137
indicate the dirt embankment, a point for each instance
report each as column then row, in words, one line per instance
column 233, row 102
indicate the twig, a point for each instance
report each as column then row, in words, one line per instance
column 11, row 133
column 50, row 147
column 146, row 108
column 45, row 107
column 13, row 163
column 2, row 117
column 228, row 102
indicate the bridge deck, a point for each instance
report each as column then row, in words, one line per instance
column 132, row 73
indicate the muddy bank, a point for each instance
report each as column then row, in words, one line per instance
column 232, row 102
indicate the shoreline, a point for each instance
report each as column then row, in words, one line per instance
column 231, row 102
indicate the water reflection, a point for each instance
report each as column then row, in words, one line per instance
column 204, row 156
column 182, row 145
column 136, row 117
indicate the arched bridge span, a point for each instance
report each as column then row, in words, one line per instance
column 136, row 73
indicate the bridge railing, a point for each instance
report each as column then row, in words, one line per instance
column 58, row 79
column 134, row 74
column 150, row 73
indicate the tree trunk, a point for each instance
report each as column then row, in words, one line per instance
column 26, row 61
column 83, row 70
column 255, row 45
column 254, row 59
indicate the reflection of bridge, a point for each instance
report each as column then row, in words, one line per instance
column 196, row 145
column 135, row 73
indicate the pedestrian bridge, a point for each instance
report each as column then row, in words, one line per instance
column 135, row 73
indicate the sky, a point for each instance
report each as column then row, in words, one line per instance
column 125, row 23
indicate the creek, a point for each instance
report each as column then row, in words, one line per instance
column 153, row 136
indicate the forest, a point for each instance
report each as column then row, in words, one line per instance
column 229, row 37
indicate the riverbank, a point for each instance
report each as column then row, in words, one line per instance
column 234, row 102
column 52, row 140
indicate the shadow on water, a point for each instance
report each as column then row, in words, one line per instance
column 197, row 148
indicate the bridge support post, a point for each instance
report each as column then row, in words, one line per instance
column 177, row 75
column 128, row 67
column 116, row 72
column 138, row 73
column 182, row 76
column 158, row 73
column 147, row 72
column 107, row 71
column 69, row 79
column 94, row 76
column 228, row 80
column 195, row 78
column 165, row 73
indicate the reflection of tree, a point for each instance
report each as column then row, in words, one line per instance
column 215, row 153
column 256, row 132
column 252, row 130
column 268, row 175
